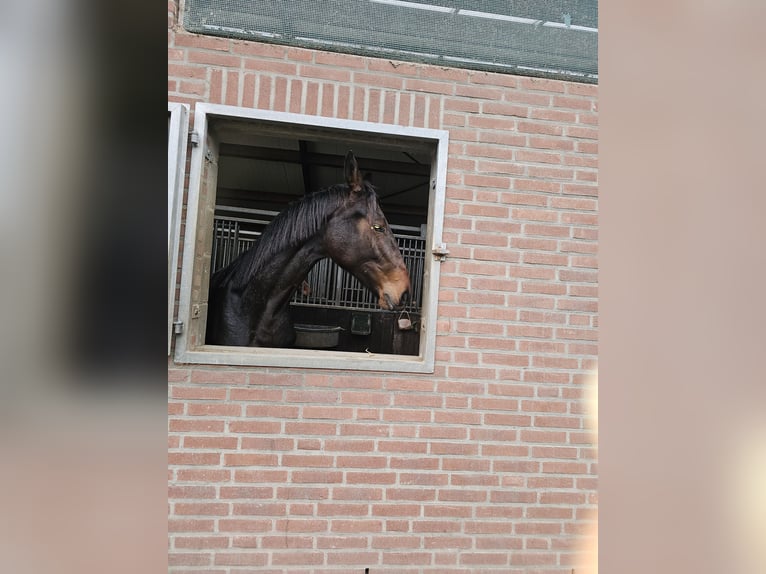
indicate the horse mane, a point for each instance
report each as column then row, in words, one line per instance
column 298, row 222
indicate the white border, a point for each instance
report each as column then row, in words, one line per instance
column 268, row 357
column 178, row 129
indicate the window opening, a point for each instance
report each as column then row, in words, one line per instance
column 250, row 165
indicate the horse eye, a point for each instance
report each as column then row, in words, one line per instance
column 377, row 227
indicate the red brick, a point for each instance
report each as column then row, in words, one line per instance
column 280, row 94
column 562, row 116
column 328, row 100
column 436, row 526
column 574, row 103
column 582, row 89
column 296, row 92
column 211, row 393
column 344, row 102
column 581, row 161
column 192, row 492
column 407, row 558
column 232, row 88
column 359, row 558
column 505, row 109
column 259, row 509
column 555, row 362
column 264, row 92
column 582, row 132
column 552, row 512
column 203, row 475
column 203, row 42
column 543, row 288
column 214, row 59
column 544, row 406
column 565, row 467
column 551, row 143
column 503, row 138
column 355, row 477
column 250, row 48
column 538, row 157
column 465, row 464
column 529, row 527
column 190, row 525
column 355, row 526
column 484, row 558
column 213, row 409
column 531, row 375
column 201, row 542
column 241, row 559
column 342, row 509
column 401, row 446
column 317, row 476
column 214, row 442
column 533, row 558
column 362, row 429
column 390, row 542
column 418, row 85
column 328, row 412
column 576, row 498
column 259, row 459
column 201, row 508
column 504, row 450
column 275, row 379
column 259, row 427
column 491, row 151
column 357, row 493
column 217, row 376
column 306, row 460
column 247, row 492
column 586, row 232
column 251, row 394
column 202, row 425
column 498, row 542
column 419, row 463
column 406, row 415
column 188, row 559
column 365, row 398
column 331, row 542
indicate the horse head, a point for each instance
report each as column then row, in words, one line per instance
column 360, row 240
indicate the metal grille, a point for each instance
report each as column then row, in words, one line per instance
column 327, row 284
column 547, row 38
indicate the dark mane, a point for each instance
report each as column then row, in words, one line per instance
column 298, row 222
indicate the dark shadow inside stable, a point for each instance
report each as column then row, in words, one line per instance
column 258, row 178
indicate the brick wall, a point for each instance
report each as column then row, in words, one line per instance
column 487, row 465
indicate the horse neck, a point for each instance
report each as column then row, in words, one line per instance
column 268, row 290
column 295, row 231
column 288, row 268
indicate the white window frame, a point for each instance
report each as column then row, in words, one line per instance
column 178, row 129
column 190, row 347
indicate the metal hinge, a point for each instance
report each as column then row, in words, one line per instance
column 178, row 327
column 194, row 138
column 440, row 252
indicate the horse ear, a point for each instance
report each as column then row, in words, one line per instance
column 353, row 176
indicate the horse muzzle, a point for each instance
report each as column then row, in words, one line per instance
column 394, row 290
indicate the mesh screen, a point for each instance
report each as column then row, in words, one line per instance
column 557, row 39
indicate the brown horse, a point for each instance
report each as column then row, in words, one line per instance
column 249, row 298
